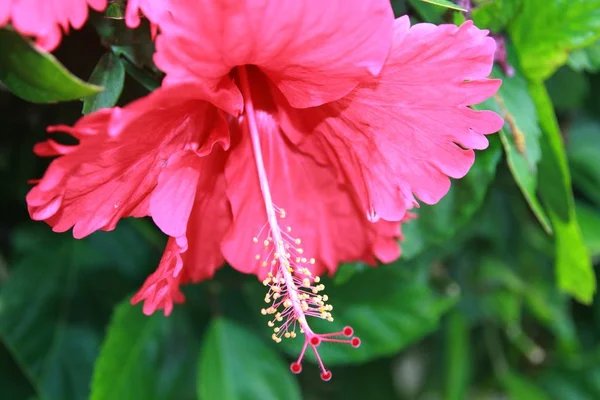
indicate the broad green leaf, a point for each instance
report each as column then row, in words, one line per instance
column 586, row 59
column 574, row 271
column 43, row 322
column 583, row 150
column 236, row 365
column 544, row 32
column 387, row 311
column 110, row 74
column 445, row 4
column 35, row 75
column 495, row 14
column 589, row 221
column 143, row 357
column 520, row 388
column 520, row 138
column 440, row 222
column 58, row 299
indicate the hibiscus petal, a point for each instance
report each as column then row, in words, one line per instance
column 315, row 52
column 44, row 19
column 320, row 209
column 105, row 178
column 410, row 129
column 161, row 289
column 172, row 199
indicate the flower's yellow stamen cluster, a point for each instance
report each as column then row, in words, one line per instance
column 288, row 311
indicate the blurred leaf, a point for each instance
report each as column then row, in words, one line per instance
column 439, row 223
column 586, row 59
column 520, row 137
column 495, row 14
column 110, row 74
column 236, row 365
column 38, row 321
column 520, row 388
column 551, row 309
column 568, row 89
column 458, row 360
column 574, row 380
column 589, row 221
column 35, row 75
column 388, row 312
column 12, row 380
column 445, row 4
column 58, row 298
column 115, row 10
column 146, row 357
column 573, row 265
column 583, row 149
column 544, row 32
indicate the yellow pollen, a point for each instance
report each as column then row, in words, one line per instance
column 289, row 229
column 306, row 282
column 287, row 335
column 300, row 251
column 257, row 256
column 263, row 311
column 276, row 330
column 293, row 334
column 271, row 324
column 325, row 297
column 255, row 240
column 303, row 259
column 266, row 242
column 297, row 241
column 312, row 260
column 264, row 264
column 317, row 278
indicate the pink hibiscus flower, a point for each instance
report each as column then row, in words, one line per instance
column 45, row 20
column 286, row 137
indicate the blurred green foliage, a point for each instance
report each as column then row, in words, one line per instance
column 493, row 297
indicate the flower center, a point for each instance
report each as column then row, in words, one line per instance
column 293, row 292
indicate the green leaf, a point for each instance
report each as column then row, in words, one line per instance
column 518, row 387
column 440, row 222
column 40, row 320
column 544, row 32
column 429, row 12
column 495, row 14
column 589, row 221
column 458, row 362
column 583, row 150
column 568, row 89
column 387, row 310
column 143, row 357
column 574, row 380
column 110, row 74
column 520, row 138
column 35, row 75
column 586, row 59
column 445, row 4
column 236, row 365
column 59, row 297
column 574, row 270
